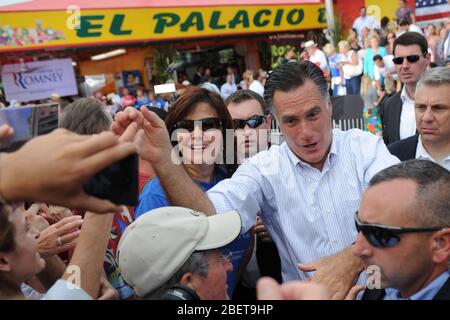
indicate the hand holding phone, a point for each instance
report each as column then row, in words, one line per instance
column 117, row 183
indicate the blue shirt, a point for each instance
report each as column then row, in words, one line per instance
column 142, row 101
column 153, row 196
column 333, row 62
column 427, row 293
column 61, row 290
column 308, row 212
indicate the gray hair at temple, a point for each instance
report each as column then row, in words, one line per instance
column 431, row 207
column 435, row 77
column 292, row 75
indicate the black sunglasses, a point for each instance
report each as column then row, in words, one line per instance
column 204, row 124
column 381, row 236
column 411, row 59
column 253, row 122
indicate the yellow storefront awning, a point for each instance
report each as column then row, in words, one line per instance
column 35, row 24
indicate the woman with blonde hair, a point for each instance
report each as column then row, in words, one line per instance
column 372, row 51
column 351, row 68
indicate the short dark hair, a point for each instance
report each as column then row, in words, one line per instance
column 377, row 57
column 404, row 22
column 246, row 95
column 412, row 38
column 292, row 75
column 433, row 189
column 85, row 116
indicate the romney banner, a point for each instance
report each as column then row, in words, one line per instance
column 39, row 80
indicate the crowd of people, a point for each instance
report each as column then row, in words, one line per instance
column 222, row 213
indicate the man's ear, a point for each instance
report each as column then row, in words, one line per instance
column 269, row 121
column 5, row 265
column 441, row 246
column 188, row 280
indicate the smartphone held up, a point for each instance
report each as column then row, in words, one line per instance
column 117, row 183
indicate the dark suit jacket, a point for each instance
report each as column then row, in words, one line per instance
column 378, row 294
column 405, row 149
column 391, row 110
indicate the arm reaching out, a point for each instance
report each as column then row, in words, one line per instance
column 337, row 272
column 53, row 168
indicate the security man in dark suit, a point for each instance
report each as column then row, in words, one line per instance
column 403, row 226
column 432, row 110
column 411, row 59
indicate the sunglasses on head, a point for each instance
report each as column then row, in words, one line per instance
column 411, row 59
column 381, row 236
column 204, row 124
column 253, row 122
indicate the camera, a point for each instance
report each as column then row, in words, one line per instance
column 180, row 292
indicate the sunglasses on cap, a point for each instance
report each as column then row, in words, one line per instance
column 381, row 236
column 253, row 122
column 411, row 59
column 204, row 124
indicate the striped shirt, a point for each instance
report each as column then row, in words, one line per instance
column 309, row 213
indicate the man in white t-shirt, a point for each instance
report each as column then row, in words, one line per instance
column 317, row 56
column 364, row 21
column 384, row 71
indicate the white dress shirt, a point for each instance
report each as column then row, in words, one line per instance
column 407, row 117
column 422, row 153
column 309, row 213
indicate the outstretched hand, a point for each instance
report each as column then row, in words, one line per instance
column 153, row 141
column 53, row 168
column 268, row 289
column 337, row 272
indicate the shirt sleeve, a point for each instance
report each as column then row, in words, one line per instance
column 65, row 290
column 376, row 72
column 377, row 159
column 242, row 192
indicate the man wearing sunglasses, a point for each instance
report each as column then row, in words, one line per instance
column 432, row 108
column 411, row 59
column 252, row 122
column 403, row 226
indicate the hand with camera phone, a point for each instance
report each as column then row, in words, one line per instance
column 66, row 161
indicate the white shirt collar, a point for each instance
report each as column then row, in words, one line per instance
column 405, row 96
column 422, row 153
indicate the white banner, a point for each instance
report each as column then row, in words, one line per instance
column 39, row 80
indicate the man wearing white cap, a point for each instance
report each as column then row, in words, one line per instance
column 317, row 56
column 174, row 253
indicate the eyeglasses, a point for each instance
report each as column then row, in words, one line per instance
column 411, row 59
column 381, row 236
column 204, row 124
column 225, row 255
column 253, row 122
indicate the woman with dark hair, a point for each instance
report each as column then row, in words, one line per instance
column 198, row 123
column 20, row 259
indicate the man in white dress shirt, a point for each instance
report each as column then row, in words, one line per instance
column 305, row 191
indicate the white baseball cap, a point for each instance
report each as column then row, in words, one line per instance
column 310, row 44
column 155, row 246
